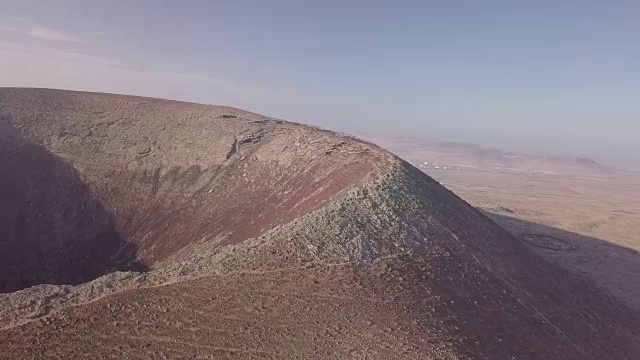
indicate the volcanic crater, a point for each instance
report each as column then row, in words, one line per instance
column 92, row 184
column 151, row 228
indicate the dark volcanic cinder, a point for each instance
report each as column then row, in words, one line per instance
column 195, row 231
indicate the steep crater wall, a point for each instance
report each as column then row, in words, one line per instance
column 52, row 229
column 96, row 183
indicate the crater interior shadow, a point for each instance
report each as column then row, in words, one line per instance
column 52, row 229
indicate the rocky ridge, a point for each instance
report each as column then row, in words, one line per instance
column 252, row 237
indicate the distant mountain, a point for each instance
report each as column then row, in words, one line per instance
column 469, row 155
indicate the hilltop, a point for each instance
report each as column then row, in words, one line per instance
column 148, row 228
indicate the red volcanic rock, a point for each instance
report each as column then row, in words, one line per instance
column 178, row 230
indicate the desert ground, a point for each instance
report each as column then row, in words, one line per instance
column 574, row 212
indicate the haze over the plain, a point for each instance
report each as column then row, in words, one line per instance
column 544, row 76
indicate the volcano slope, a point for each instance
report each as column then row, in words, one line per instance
column 178, row 230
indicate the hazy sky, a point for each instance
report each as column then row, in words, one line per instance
column 558, row 76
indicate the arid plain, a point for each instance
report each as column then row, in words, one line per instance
column 575, row 212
